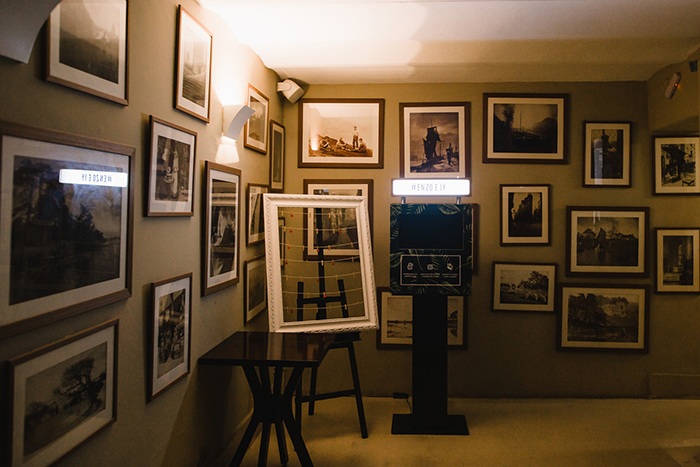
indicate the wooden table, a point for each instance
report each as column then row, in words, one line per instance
column 261, row 351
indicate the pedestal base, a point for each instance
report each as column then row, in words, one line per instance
column 409, row 424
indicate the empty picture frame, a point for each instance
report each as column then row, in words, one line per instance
column 606, row 154
column 333, row 295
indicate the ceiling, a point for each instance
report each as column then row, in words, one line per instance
column 397, row 41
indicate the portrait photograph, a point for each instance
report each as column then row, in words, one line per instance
column 524, row 215
column 606, row 154
column 87, row 48
column 341, row 133
column 255, row 280
column 524, row 287
column 677, row 260
column 435, row 140
column 194, row 52
column 675, row 171
column 255, row 129
column 256, row 221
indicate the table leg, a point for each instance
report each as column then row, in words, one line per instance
column 256, row 389
column 279, row 427
column 291, row 423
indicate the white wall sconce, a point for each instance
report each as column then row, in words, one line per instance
column 233, row 119
column 291, row 90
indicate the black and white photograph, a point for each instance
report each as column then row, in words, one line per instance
column 277, row 135
column 524, row 287
column 606, row 154
column 607, row 240
column 341, row 133
column 220, row 246
column 256, row 221
column 255, row 280
column 435, row 140
column 255, row 130
column 194, row 52
column 171, row 318
column 525, row 128
column 171, row 170
column 675, row 160
column 524, row 215
column 67, row 222
column 604, row 317
column 677, row 260
column 62, row 394
column 87, row 48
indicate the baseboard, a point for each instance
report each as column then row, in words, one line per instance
column 224, row 458
column 674, row 386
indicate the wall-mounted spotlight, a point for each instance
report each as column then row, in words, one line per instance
column 234, row 117
column 673, row 85
column 291, row 90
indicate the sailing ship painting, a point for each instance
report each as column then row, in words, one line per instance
column 434, row 142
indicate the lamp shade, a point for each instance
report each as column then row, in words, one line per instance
column 234, row 117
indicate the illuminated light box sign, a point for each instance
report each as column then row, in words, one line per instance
column 431, row 249
column 428, row 187
column 93, row 177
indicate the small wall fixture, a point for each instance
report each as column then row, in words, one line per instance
column 673, row 85
column 234, row 117
column 291, row 90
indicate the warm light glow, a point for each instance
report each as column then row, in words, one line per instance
column 430, row 187
column 227, row 152
column 93, row 177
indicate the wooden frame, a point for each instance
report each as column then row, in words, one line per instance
column 396, row 321
column 342, row 133
column 255, row 225
column 524, row 286
column 47, row 391
column 435, row 140
column 607, row 240
column 193, row 66
column 603, row 317
column 335, row 187
column 526, row 128
column 677, row 260
column 76, row 59
column 170, row 333
column 606, row 154
column 220, row 232
column 173, row 152
column 90, row 264
column 254, row 280
column 277, row 152
column 675, row 165
column 255, row 130
column 525, row 211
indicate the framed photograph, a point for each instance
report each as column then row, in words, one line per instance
column 607, row 240
column 524, row 286
column 222, row 194
column 193, row 74
column 604, row 317
column 435, row 140
column 524, row 215
column 678, row 260
column 396, row 321
column 61, row 395
column 525, row 128
column 255, row 282
column 255, row 132
column 170, row 331
column 256, row 222
column 276, row 157
column 606, row 154
column 171, row 170
column 675, row 160
column 337, row 233
column 88, row 48
column 66, row 225
column 341, row 133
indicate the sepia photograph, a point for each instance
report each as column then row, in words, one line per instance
column 277, row 135
column 256, row 221
column 523, row 287
column 524, row 215
column 194, row 52
column 675, row 160
column 606, row 155
column 677, row 260
column 255, row 130
column 255, row 282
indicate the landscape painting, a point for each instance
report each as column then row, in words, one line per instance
column 523, row 287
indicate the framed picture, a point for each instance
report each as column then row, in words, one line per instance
column 276, row 157
column 171, row 170
column 255, row 282
column 337, row 233
column 396, row 321
column 604, row 317
column 675, row 159
column 256, row 221
column 171, row 323
column 607, row 240
column 61, row 395
column 525, row 128
column 341, row 133
column 524, row 215
column 220, row 247
column 435, row 140
column 606, row 154
column 524, row 286
column 88, row 48
column 193, row 74
column 678, row 260
column 255, row 132
column 66, row 225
